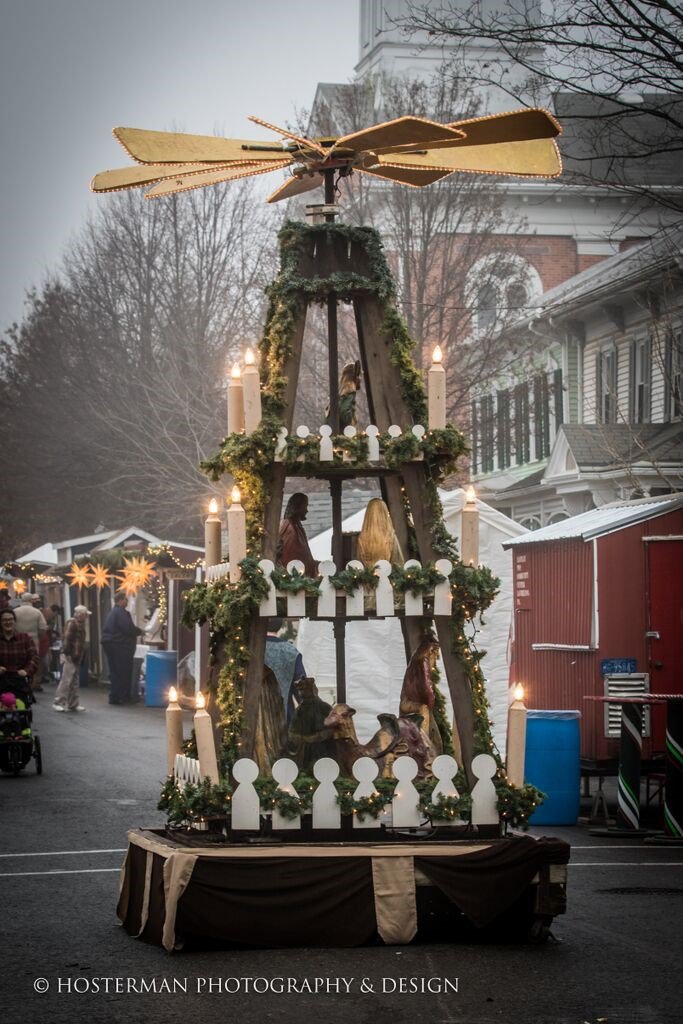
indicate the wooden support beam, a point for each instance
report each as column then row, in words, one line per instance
column 271, row 524
column 384, row 384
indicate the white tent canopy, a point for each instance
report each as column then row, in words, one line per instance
column 375, row 652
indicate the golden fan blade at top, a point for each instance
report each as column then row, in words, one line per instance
column 532, row 158
column 180, row 183
column 149, row 147
column 138, row 176
column 296, row 186
column 411, row 150
column 513, row 126
column 402, row 131
column 305, row 143
column 416, row 177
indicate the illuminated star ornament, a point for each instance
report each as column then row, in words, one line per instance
column 79, row 575
column 99, row 577
column 408, row 150
column 137, row 571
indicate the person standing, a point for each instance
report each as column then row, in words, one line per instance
column 73, row 650
column 18, row 657
column 286, row 663
column 119, row 639
column 31, row 620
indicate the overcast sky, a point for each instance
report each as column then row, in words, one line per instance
column 70, row 70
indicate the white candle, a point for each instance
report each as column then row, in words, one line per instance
column 237, row 535
column 235, row 401
column 212, row 535
column 174, row 730
column 251, row 384
column 516, row 743
column 437, row 391
column 469, row 532
column 206, row 748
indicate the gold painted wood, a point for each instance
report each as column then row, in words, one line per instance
column 417, row 177
column 151, row 147
column 513, row 126
column 306, row 144
column 538, row 158
column 136, row 177
column 402, row 131
column 412, row 151
column 295, row 186
column 182, row 183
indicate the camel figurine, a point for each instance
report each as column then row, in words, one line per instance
column 345, row 746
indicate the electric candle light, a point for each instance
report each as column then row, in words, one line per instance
column 212, row 535
column 237, row 535
column 251, row 385
column 206, row 747
column 516, row 744
column 174, row 730
column 437, row 391
column 469, row 532
column 235, row 401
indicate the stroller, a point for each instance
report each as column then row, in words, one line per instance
column 18, row 742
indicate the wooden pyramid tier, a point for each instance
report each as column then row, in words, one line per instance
column 327, row 264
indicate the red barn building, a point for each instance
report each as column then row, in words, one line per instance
column 598, row 594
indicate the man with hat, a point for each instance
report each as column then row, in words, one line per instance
column 31, row 620
column 66, row 698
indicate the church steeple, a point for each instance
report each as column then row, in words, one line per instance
column 386, row 49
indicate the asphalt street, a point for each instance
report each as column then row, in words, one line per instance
column 616, row 958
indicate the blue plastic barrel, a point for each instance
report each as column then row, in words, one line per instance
column 160, row 673
column 552, row 764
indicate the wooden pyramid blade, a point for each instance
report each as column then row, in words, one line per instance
column 295, row 186
column 305, row 143
column 151, row 147
column 402, row 131
column 537, row 158
column 514, row 126
column 182, row 183
column 417, row 177
column 137, row 176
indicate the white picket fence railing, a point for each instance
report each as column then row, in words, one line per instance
column 403, row 810
column 326, row 446
column 382, row 600
column 186, row 770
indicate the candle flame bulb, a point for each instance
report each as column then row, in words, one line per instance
column 235, row 373
column 519, row 692
column 213, row 507
column 200, row 701
column 471, row 494
column 437, row 354
column 172, row 695
column 235, row 496
column 249, row 357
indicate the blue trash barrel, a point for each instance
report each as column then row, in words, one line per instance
column 160, row 673
column 552, row 764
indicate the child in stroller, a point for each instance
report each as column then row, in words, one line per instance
column 18, row 743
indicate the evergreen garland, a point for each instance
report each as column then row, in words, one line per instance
column 195, row 802
column 294, row 582
column 349, row 580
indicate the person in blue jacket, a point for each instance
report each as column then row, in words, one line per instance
column 119, row 639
